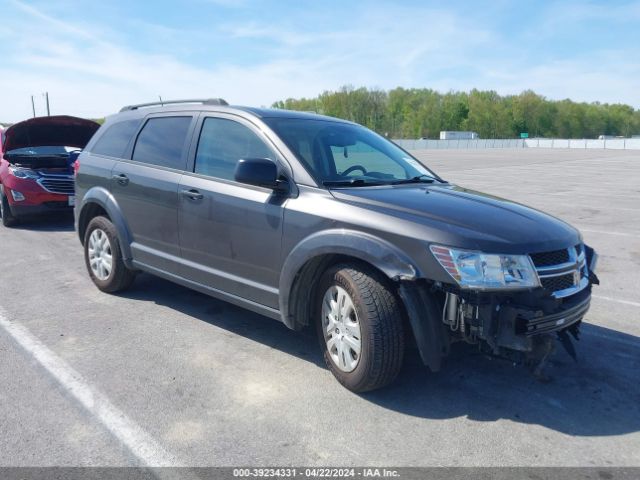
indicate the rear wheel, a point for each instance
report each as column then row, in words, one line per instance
column 8, row 219
column 360, row 327
column 103, row 257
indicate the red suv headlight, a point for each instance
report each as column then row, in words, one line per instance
column 20, row 172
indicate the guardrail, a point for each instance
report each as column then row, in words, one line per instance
column 613, row 143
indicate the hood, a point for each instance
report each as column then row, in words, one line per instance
column 59, row 130
column 464, row 218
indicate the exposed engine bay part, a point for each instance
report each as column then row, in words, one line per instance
column 461, row 317
column 510, row 321
column 523, row 327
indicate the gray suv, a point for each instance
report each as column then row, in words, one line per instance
column 321, row 223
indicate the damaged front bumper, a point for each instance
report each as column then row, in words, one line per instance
column 519, row 325
column 520, row 322
column 530, row 323
column 514, row 323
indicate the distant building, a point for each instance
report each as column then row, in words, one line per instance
column 451, row 135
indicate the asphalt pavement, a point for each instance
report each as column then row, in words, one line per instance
column 167, row 376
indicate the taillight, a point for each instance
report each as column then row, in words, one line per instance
column 74, row 162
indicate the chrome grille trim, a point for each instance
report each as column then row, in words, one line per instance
column 576, row 266
column 563, row 268
column 59, row 184
column 567, row 292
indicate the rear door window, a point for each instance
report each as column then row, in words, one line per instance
column 222, row 143
column 116, row 138
column 161, row 142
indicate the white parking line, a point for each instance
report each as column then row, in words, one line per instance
column 623, row 302
column 604, row 232
column 141, row 445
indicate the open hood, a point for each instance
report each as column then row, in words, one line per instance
column 53, row 131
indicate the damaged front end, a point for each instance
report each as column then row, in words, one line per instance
column 523, row 325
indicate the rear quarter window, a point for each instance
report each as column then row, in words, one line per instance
column 161, row 142
column 114, row 141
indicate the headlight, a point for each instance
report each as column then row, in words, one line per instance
column 485, row 271
column 24, row 173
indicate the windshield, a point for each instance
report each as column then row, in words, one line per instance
column 338, row 153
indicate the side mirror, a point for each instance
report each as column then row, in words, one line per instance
column 261, row 172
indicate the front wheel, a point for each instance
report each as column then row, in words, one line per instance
column 8, row 219
column 103, row 257
column 360, row 327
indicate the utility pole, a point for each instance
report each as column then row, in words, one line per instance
column 46, row 95
column 33, row 107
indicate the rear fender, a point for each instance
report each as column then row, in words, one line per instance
column 103, row 198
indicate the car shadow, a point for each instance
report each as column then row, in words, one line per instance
column 225, row 315
column 53, row 222
column 599, row 394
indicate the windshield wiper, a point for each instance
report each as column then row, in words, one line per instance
column 418, row 179
column 356, row 182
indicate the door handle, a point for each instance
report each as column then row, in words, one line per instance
column 192, row 194
column 122, row 179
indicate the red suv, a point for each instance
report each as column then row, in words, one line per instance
column 36, row 172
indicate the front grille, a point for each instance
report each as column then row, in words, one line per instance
column 555, row 284
column 546, row 259
column 562, row 273
column 58, row 184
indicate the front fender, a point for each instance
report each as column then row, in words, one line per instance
column 370, row 249
column 103, row 198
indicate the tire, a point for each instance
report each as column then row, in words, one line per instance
column 378, row 318
column 8, row 219
column 101, row 246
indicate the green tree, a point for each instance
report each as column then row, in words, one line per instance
column 423, row 112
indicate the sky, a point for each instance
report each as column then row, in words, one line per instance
column 93, row 57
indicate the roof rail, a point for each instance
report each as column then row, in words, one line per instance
column 204, row 101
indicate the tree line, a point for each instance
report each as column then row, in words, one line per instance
column 423, row 112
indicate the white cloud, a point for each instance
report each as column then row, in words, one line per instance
column 89, row 71
column 53, row 22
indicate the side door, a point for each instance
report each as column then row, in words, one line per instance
column 146, row 189
column 230, row 233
